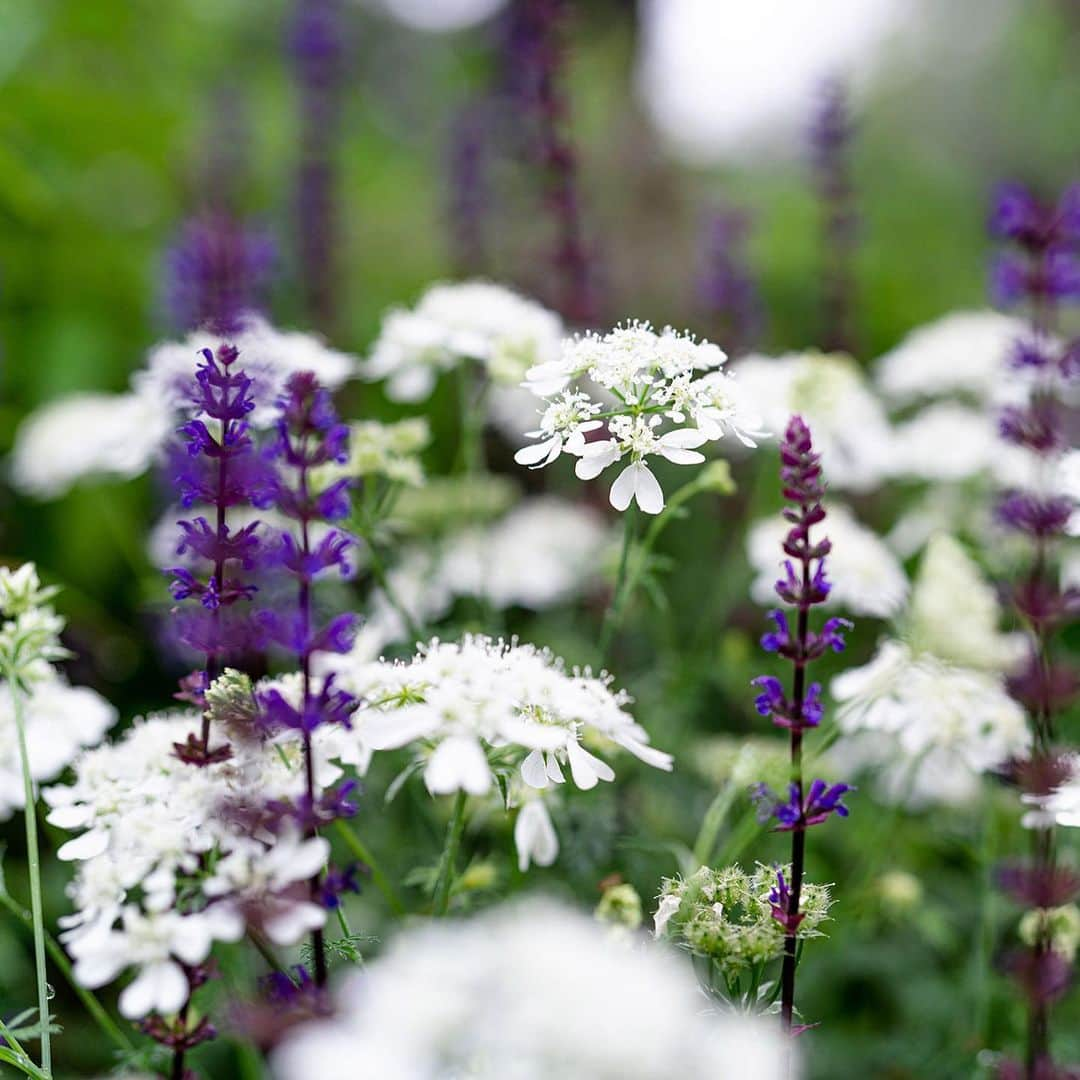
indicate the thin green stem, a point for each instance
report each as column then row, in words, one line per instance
column 711, row 824
column 613, row 615
column 471, row 400
column 59, row 958
column 382, row 579
column 33, row 858
column 441, row 901
column 378, row 875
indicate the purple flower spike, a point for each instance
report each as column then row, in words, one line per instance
column 798, row 812
column 780, row 901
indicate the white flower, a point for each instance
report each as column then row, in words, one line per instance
column 946, row 441
column 461, row 703
column 122, row 435
column 851, row 431
column 534, row 835
column 649, row 378
column 965, row 352
column 866, row 577
column 60, row 720
column 532, row 991
column 474, row 320
column 109, row 435
column 1061, row 806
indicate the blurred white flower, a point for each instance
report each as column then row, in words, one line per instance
column 930, row 712
column 60, row 720
column 963, row 353
column 471, row 320
column 122, row 435
column 866, row 578
column 534, row 834
column 532, row 991
column 851, row 431
column 970, row 435
column 653, row 378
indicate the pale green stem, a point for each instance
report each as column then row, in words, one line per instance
column 441, row 901
column 59, row 958
column 363, row 853
column 613, row 615
column 15, row 1055
column 711, row 824
column 33, row 859
column 471, row 402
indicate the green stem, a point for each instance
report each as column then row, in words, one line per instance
column 59, row 958
column 471, row 405
column 33, row 858
column 711, row 824
column 264, row 950
column 382, row 579
column 441, row 901
column 363, row 853
column 613, row 615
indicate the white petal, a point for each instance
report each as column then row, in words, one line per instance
column 622, row 491
column 411, row 384
column 681, row 457
column 292, row 921
column 554, row 770
column 595, row 458
column 649, row 754
column 668, row 906
column 391, row 730
column 647, row 489
column 161, row 987
column 531, row 455
column 86, row 846
column 190, row 939
column 586, row 768
column 683, row 439
column 533, row 772
column 458, row 764
column 534, row 836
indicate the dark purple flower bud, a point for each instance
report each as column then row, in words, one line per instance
column 193, row 689
column 193, row 751
column 1037, row 515
column 233, row 545
column 329, row 706
column 1017, row 216
column 1038, row 886
column 338, row 882
column 1030, row 353
column 1036, row 426
column 780, row 902
column 774, row 703
column 1042, row 974
column 819, row 801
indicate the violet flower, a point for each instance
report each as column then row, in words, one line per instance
column 309, row 436
column 469, row 196
column 803, row 586
column 316, row 46
column 1039, row 268
column 830, row 135
column 220, row 468
column 727, row 289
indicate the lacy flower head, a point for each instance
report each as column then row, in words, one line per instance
column 166, row 863
column 851, row 430
column 931, row 712
column 30, row 630
column 494, row 992
column 730, row 916
column 472, row 320
column 479, row 708
column 123, row 435
column 658, row 395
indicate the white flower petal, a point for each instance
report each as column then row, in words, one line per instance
column 458, row 764
column 160, row 987
column 534, row 836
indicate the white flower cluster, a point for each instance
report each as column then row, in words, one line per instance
column 930, row 711
column 866, row 577
column 647, row 379
column 532, row 991
column 121, row 435
column 850, row 428
column 544, row 552
column 470, row 320
column 390, row 451
column 476, row 706
column 164, row 867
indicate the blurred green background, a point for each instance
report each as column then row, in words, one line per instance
column 111, row 115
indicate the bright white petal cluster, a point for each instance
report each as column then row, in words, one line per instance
column 148, row 824
column 964, row 353
column 121, row 435
column 930, row 712
column 471, row 320
column 528, row 992
column 60, row 721
column 866, row 577
column 648, row 381
column 476, row 706
column 851, row 430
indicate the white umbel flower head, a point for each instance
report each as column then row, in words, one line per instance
column 650, row 381
column 866, row 577
column 851, row 430
column 472, row 706
column 452, row 323
column 532, row 991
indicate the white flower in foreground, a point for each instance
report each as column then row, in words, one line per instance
column 965, row 352
column 532, row 991
column 472, row 706
column 122, row 435
column 148, row 822
column 866, row 578
column 654, row 379
column 60, row 720
column 471, row 320
column 930, row 712
column 1061, row 806
column 851, row 430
